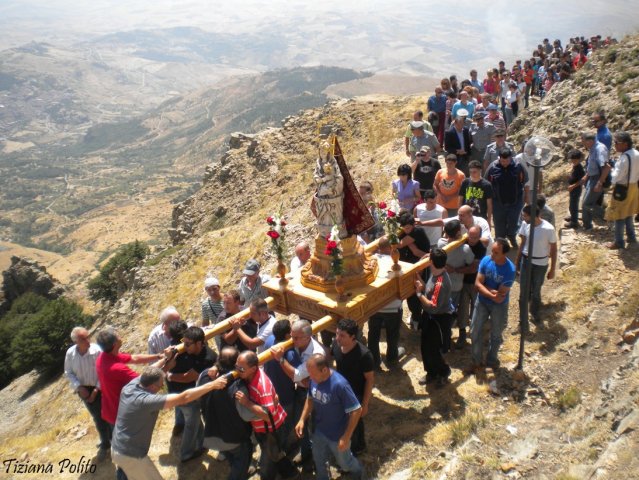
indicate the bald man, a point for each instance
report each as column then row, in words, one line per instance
column 302, row 254
column 467, row 219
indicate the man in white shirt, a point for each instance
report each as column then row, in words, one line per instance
column 390, row 318
column 544, row 252
column 430, row 210
column 79, row 367
column 159, row 338
column 264, row 321
column 302, row 254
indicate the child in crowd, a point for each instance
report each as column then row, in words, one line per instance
column 574, row 187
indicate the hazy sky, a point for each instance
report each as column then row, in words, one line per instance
column 376, row 34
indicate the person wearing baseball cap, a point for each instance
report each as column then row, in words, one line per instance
column 493, row 149
column 495, row 117
column 250, row 286
column 421, row 137
column 481, row 135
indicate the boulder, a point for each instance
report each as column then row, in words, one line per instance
column 24, row 276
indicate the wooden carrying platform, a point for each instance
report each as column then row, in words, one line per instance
column 324, row 309
column 361, row 301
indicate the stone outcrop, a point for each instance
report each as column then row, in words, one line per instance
column 24, row 276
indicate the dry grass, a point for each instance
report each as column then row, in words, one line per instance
column 566, row 476
column 461, row 429
column 579, row 293
column 629, row 307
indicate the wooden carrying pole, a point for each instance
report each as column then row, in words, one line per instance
column 317, row 326
column 225, row 325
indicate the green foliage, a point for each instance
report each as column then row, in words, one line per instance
column 22, row 309
column 25, row 305
column 42, row 342
column 569, row 398
column 110, row 284
column 104, row 135
column 35, row 334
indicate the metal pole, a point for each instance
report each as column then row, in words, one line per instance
column 525, row 281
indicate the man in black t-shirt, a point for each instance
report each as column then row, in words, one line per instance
column 477, row 192
column 413, row 245
column 424, row 170
column 184, row 371
column 355, row 363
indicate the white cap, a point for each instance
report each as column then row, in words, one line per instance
column 211, row 282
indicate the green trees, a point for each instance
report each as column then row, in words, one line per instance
column 35, row 335
column 115, row 277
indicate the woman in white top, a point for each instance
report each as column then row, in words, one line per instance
column 512, row 102
column 626, row 173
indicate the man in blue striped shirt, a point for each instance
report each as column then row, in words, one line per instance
column 79, row 367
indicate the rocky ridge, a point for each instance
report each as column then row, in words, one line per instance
column 25, row 275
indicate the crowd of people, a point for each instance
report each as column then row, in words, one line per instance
column 306, row 407
column 306, row 404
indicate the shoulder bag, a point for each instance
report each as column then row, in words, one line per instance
column 620, row 192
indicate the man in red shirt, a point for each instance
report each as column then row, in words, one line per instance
column 113, row 372
column 264, row 403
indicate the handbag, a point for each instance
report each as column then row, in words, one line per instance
column 271, row 442
column 620, row 192
column 275, row 452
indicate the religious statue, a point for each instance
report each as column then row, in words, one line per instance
column 329, row 198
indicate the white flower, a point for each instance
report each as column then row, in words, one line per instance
column 334, row 234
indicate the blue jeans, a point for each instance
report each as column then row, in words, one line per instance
column 193, row 435
column 509, row 115
column 323, row 448
column 506, row 218
column 537, row 277
column 240, row 460
column 589, row 202
column 467, row 298
column 627, row 224
column 498, row 315
column 573, row 206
